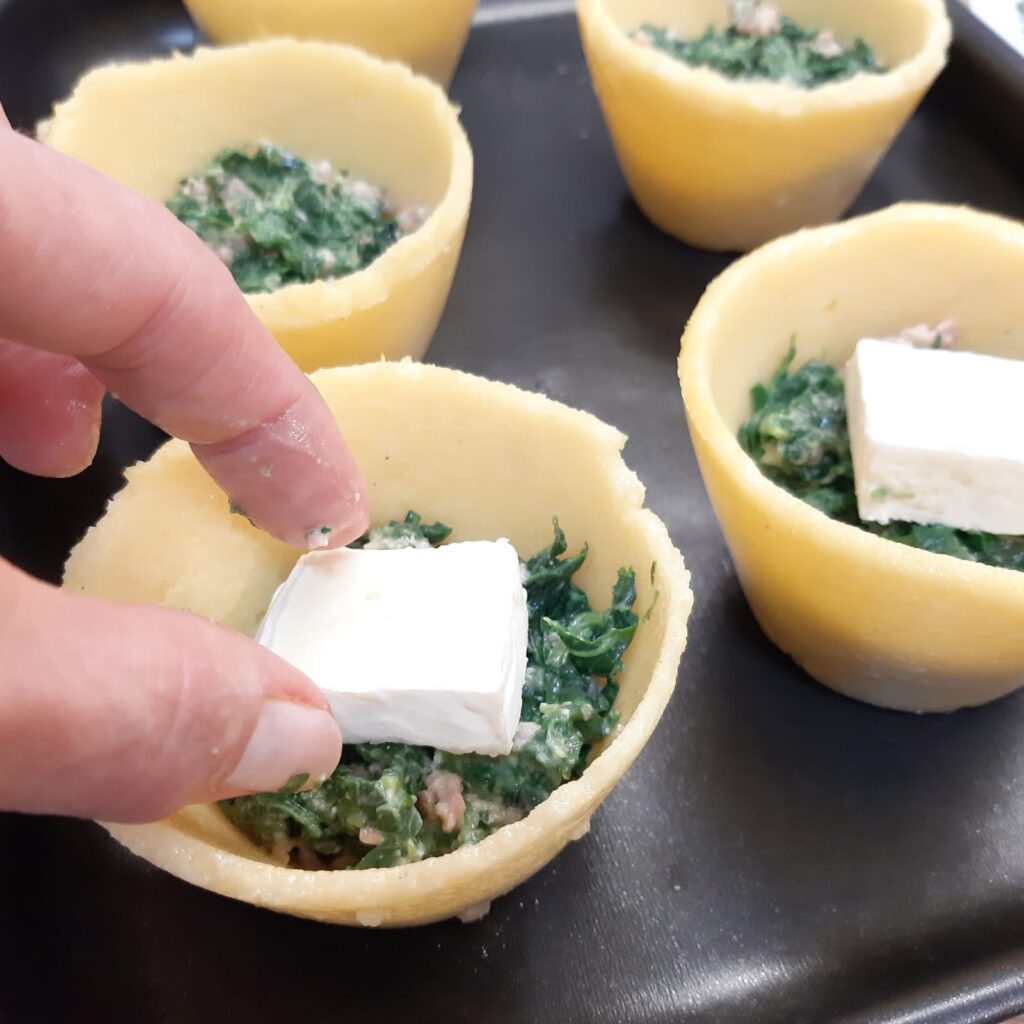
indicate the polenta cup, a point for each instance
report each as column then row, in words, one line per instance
column 150, row 124
column 728, row 165
column 491, row 461
column 428, row 35
column 876, row 620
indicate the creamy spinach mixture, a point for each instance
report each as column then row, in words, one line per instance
column 275, row 219
column 797, row 435
column 761, row 43
column 392, row 803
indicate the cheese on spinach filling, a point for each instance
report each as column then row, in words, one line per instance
column 798, row 436
column 761, row 43
column 393, row 803
column 275, row 219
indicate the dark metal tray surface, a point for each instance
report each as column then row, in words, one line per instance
column 778, row 853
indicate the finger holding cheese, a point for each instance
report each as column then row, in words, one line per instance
column 168, row 538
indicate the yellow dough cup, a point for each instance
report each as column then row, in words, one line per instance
column 727, row 165
column 151, row 124
column 871, row 618
column 428, row 35
column 491, row 461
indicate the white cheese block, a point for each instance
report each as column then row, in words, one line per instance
column 421, row 645
column 937, row 436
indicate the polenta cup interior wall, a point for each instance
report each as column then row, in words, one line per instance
column 150, row 124
column 489, row 460
column 879, row 621
column 727, row 165
column 428, row 35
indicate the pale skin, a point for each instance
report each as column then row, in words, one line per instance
column 121, row 712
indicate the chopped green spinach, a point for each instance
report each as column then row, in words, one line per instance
column 790, row 53
column 393, row 803
column 798, row 436
column 411, row 532
column 275, row 219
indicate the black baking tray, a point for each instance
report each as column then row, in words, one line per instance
column 778, row 853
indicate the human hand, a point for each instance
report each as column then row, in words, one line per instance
column 124, row 712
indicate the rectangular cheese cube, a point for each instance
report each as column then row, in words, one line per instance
column 420, row 645
column 937, row 436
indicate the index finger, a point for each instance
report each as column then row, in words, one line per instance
column 90, row 269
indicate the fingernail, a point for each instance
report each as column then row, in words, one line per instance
column 353, row 522
column 289, row 740
column 318, row 537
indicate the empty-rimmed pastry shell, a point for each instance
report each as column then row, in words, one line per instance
column 428, row 35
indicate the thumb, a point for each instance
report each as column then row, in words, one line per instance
column 127, row 713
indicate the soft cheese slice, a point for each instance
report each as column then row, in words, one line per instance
column 423, row 646
column 937, row 436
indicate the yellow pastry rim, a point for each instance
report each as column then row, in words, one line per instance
column 779, row 98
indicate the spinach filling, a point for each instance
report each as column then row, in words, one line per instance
column 275, row 219
column 786, row 52
column 393, row 803
column 798, row 436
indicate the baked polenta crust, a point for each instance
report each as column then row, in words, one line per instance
column 150, row 124
column 428, row 35
column 876, row 620
column 727, row 165
column 491, row 461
